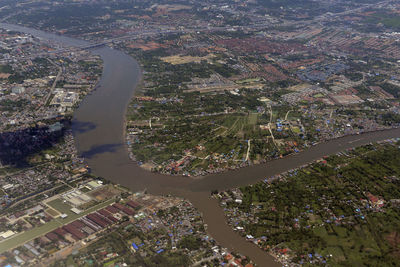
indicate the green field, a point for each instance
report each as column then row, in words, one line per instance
column 388, row 19
column 59, row 205
column 253, row 118
column 296, row 130
column 251, row 80
column 52, row 212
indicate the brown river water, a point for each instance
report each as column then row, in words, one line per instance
column 99, row 129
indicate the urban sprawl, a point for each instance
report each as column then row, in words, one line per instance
column 226, row 84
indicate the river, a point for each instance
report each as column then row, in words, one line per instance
column 99, row 129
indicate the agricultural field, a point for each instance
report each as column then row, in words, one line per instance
column 209, row 132
column 178, row 59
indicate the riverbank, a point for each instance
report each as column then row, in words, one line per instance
column 152, row 167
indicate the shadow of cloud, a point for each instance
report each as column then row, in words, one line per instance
column 82, row 126
column 18, row 146
column 100, row 149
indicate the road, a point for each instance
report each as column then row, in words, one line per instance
column 248, row 150
column 197, row 263
column 53, row 86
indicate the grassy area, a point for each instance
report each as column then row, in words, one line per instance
column 296, row 130
column 386, row 18
column 253, row 118
column 23, row 237
column 251, row 80
column 59, row 205
column 52, row 212
column 5, row 69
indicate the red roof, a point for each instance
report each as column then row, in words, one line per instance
column 133, row 204
column 52, row 236
column 103, row 212
column 61, row 232
column 78, row 224
column 112, row 218
column 75, row 232
column 112, row 209
column 98, row 220
column 128, row 211
column 372, row 198
column 118, row 206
